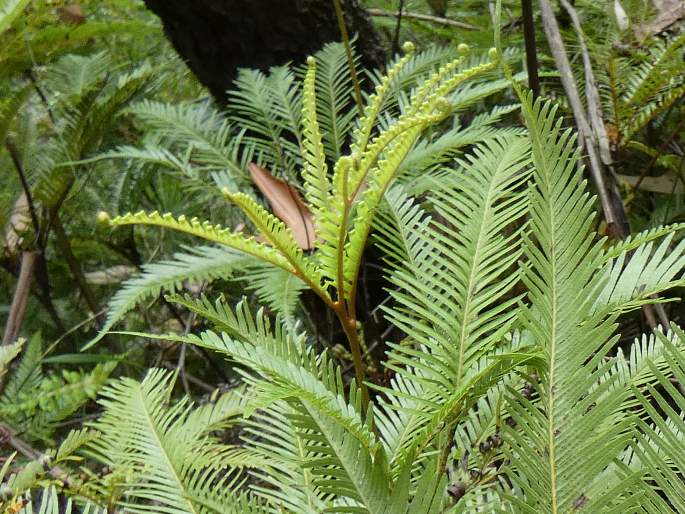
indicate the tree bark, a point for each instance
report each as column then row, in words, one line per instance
column 216, row 37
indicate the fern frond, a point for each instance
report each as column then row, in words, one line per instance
column 281, row 237
column 7, row 354
column 205, row 230
column 315, row 169
column 373, row 106
column 205, row 263
column 277, row 289
column 335, row 98
column 9, row 11
column 566, row 427
column 197, row 130
column 167, row 448
column 649, row 271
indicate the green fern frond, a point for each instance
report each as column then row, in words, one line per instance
column 199, row 131
column 315, row 169
column 28, row 374
column 9, row 11
column 281, row 237
column 373, row 106
column 277, row 289
column 167, row 448
column 205, row 263
column 335, row 98
column 567, row 427
column 205, row 230
column 7, row 354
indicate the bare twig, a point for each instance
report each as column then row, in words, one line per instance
column 20, row 298
column 9, row 438
column 422, row 17
column 64, row 246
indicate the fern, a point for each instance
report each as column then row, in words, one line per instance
column 201, row 264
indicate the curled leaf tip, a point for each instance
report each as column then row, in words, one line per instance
column 442, row 104
column 103, row 218
column 493, row 54
column 408, row 47
column 311, row 61
column 463, row 48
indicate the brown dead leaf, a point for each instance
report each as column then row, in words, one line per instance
column 612, row 133
column 287, row 204
column 73, row 14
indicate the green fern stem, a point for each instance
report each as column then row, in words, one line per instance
column 348, row 321
column 350, row 59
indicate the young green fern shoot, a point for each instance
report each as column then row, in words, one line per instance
column 343, row 202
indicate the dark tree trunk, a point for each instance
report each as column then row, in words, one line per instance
column 216, row 37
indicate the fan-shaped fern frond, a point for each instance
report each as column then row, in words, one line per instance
column 176, row 465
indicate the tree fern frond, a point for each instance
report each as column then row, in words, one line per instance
column 663, row 431
column 254, row 103
column 204, row 263
column 315, row 169
column 272, row 438
column 288, row 370
column 73, row 75
column 7, row 354
column 277, row 289
column 281, row 237
column 566, row 427
column 448, row 298
column 197, row 130
column 27, row 375
column 166, row 447
column 649, row 271
column 215, row 233
column 374, row 104
column 9, row 11
column 335, row 98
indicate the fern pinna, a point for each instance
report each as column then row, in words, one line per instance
column 506, row 393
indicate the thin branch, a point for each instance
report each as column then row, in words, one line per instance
column 20, row 298
column 41, row 269
column 422, row 17
column 350, row 59
column 64, row 246
column 14, row 155
column 9, row 438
